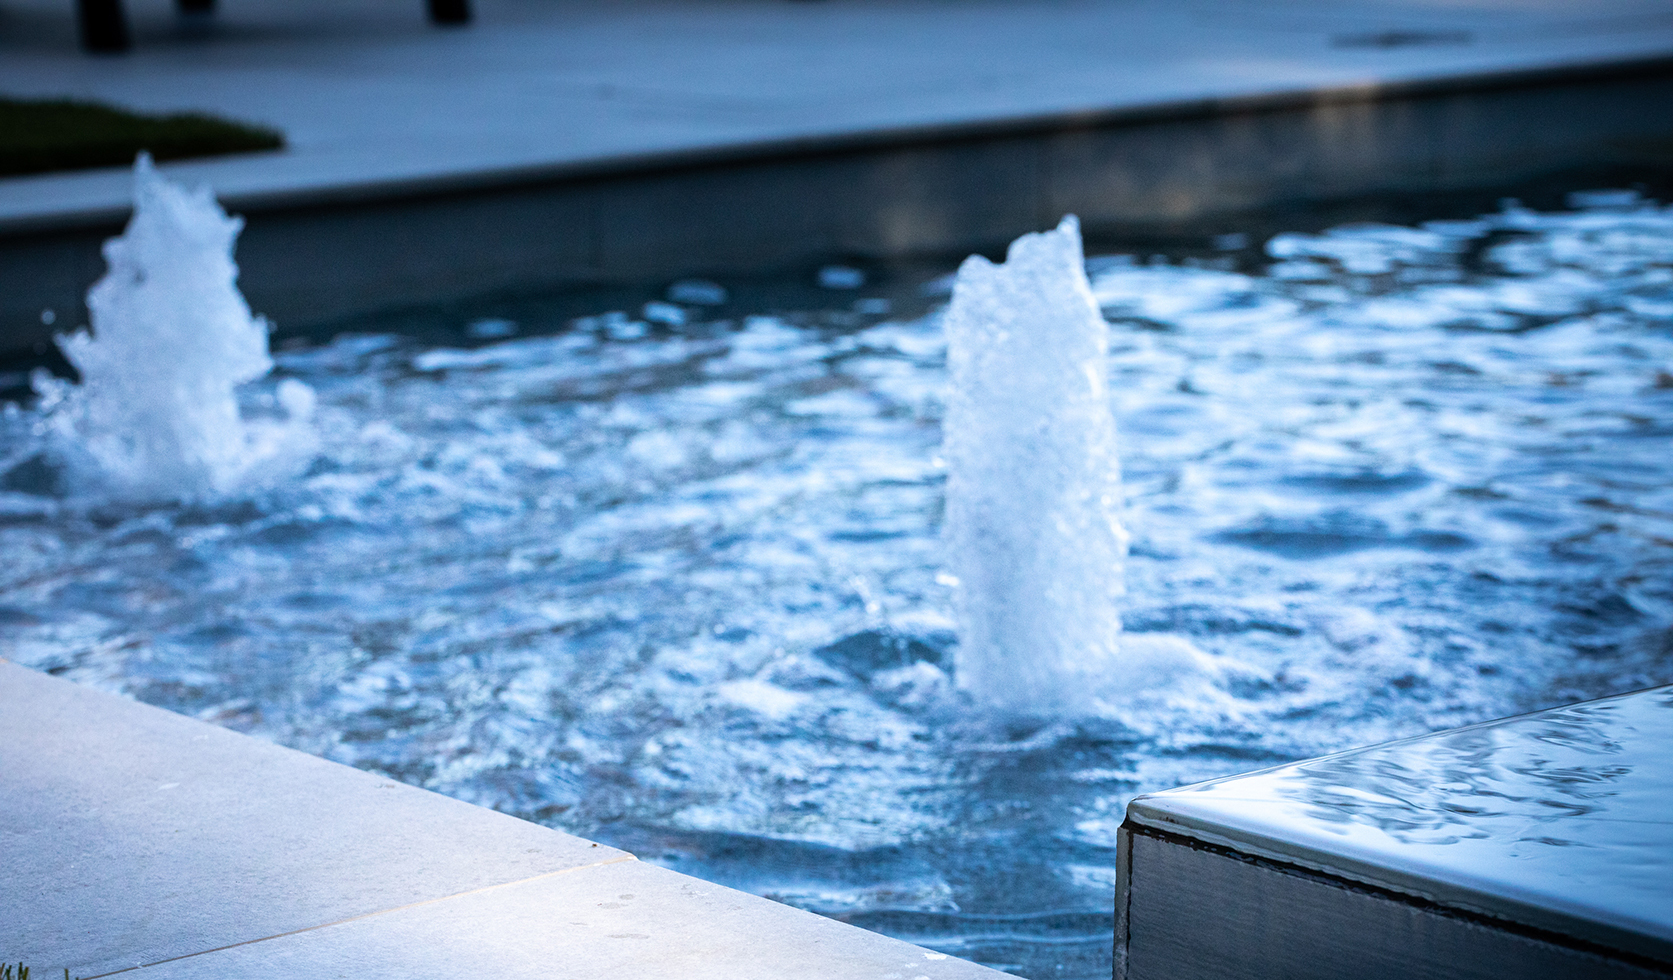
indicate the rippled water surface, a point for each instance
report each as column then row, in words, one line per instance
column 679, row 585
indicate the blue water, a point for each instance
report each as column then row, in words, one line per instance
column 672, row 578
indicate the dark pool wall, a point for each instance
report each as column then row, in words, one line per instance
column 1200, row 913
column 308, row 261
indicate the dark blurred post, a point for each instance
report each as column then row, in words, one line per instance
column 104, row 27
column 450, row 11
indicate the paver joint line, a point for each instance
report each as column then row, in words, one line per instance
column 365, row 915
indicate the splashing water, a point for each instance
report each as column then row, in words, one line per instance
column 682, row 586
column 1033, row 526
column 156, row 413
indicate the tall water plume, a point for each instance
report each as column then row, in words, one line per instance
column 157, row 412
column 1033, row 484
column 1033, row 525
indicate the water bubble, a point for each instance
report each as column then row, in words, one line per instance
column 666, row 314
column 697, row 292
column 841, row 277
column 492, row 328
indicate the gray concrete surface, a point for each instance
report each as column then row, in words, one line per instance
column 622, row 922
column 557, row 143
column 371, row 97
column 1533, row 846
column 134, row 838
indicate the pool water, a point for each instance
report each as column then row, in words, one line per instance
column 673, row 580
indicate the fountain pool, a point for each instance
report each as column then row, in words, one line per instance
column 674, row 579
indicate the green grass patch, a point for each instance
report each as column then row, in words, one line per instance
column 41, row 136
column 22, row 972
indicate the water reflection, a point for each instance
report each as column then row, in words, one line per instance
column 1470, row 783
column 686, row 578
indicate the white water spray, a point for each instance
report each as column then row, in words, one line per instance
column 156, row 413
column 1033, row 525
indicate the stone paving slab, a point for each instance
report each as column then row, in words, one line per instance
column 374, row 102
column 130, row 835
column 620, row 921
column 137, row 841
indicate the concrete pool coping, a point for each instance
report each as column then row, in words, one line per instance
column 373, row 105
column 878, row 197
column 252, row 182
column 139, row 841
column 660, row 154
column 1526, row 846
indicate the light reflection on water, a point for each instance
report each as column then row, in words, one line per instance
column 680, row 587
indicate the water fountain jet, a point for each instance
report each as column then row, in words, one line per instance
column 1034, row 498
column 157, row 412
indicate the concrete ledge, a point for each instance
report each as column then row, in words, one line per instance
column 134, row 839
column 1536, row 846
column 61, row 206
column 317, row 257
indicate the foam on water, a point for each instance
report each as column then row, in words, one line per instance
column 683, row 585
column 156, row 413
